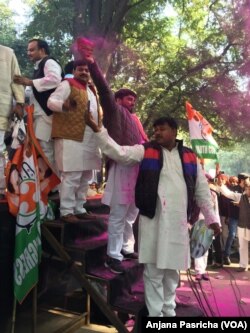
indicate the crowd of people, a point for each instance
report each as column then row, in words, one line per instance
column 77, row 119
column 228, row 193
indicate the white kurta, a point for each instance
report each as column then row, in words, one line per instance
column 72, row 155
column 120, row 187
column 8, row 89
column 52, row 78
column 164, row 240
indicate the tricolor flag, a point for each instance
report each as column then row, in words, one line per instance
column 201, row 137
column 29, row 180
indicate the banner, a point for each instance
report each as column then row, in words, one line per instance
column 30, row 178
column 201, row 137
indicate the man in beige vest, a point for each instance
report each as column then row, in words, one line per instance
column 76, row 151
column 8, row 91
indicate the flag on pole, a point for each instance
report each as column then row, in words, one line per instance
column 201, row 137
column 29, row 180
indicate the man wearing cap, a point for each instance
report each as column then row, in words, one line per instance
column 243, row 200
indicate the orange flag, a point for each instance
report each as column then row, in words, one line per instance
column 30, row 178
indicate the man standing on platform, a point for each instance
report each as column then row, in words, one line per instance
column 47, row 76
column 169, row 182
column 76, row 152
column 125, row 128
column 8, row 91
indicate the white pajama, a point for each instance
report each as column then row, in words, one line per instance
column 200, row 264
column 120, row 230
column 160, row 286
column 244, row 238
column 119, row 194
column 73, row 190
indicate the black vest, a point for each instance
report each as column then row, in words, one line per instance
column 42, row 97
column 146, row 189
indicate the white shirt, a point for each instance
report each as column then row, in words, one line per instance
column 164, row 239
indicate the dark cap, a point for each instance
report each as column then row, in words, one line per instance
column 243, row 176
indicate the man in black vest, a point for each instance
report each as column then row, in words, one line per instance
column 46, row 77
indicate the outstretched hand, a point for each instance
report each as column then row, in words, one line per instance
column 89, row 120
column 216, row 228
column 18, row 79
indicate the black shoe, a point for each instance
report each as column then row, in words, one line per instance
column 133, row 255
column 86, row 216
column 114, row 265
column 205, row 277
column 198, row 277
column 227, row 261
column 242, row 269
column 216, row 266
column 2, row 196
column 53, row 195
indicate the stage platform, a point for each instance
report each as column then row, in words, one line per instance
column 226, row 294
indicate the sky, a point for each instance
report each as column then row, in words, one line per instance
column 20, row 10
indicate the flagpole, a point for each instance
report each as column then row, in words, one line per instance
column 13, row 321
column 34, row 309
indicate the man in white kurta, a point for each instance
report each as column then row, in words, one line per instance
column 37, row 51
column 8, row 91
column 163, row 239
column 75, row 159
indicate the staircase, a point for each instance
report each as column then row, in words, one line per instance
column 85, row 244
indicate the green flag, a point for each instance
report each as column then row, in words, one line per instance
column 29, row 180
column 200, row 131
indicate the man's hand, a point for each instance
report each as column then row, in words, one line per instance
column 69, row 104
column 85, row 48
column 18, row 110
column 22, row 80
column 89, row 120
column 216, row 228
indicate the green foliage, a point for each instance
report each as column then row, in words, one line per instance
column 7, row 26
column 233, row 162
column 168, row 51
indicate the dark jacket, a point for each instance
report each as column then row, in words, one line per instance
column 119, row 122
column 244, row 217
column 42, row 97
column 146, row 190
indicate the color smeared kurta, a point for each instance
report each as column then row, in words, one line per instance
column 164, row 239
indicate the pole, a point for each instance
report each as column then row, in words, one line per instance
column 13, row 321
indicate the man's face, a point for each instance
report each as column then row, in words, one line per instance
column 242, row 183
column 34, row 53
column 247, row 191
column 127, row 102
column 81, row 73
column 165, row 135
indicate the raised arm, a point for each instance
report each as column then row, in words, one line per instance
column 111, row 110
